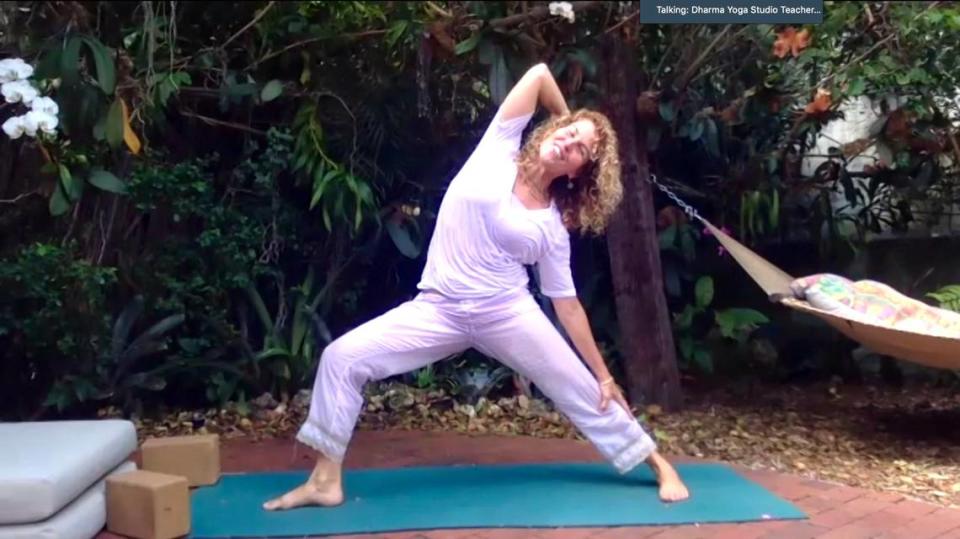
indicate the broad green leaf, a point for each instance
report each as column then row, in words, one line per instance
column 857, row 86
column 668, row 238
column 396, row 32
column 667, row 112
column 300, row 320
column 272, row 352
column 123, row 324
column 686, row 347
column 401, row 238
column 50, row 64
column 58, row 202
column 70, row 62
column 105, row 180
column 114, row 126
column 106, row 72
column 71, row 186
column 155, row 331
column 696, row 129
column 259, row 307
column 271, row 91
column 703, row 291
column 321, row 180
column 703, row 359
column 737, row 320
column 467, row 45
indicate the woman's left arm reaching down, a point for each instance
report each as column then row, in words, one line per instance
column 573, row 318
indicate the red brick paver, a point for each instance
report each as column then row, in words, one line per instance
column 835, row 511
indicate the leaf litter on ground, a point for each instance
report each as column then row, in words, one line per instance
column 903, row 441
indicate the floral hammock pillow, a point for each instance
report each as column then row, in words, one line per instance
column 874, row 303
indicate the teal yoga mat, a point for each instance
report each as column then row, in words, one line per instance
column 482, row 496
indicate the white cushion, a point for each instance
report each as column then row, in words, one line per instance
column 44, row 465
column 83, row 518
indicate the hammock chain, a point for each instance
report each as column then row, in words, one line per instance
column 688, row 209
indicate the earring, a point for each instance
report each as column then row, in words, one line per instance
column 569, row 184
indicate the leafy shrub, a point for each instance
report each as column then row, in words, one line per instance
column 53, row 323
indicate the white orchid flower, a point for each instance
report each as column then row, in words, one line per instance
column 14, row 127
column 563, row 9
column 35, row 120
column 13, row 69
column 19, row 91
column 45, row 105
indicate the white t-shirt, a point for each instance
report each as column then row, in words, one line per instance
column 484, row 235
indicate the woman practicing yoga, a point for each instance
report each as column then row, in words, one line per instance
column 507, row 207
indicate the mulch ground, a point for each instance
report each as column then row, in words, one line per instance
column 901, row 441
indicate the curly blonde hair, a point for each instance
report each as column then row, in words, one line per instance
column 596, row 191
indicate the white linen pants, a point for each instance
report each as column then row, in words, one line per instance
column 510, row 328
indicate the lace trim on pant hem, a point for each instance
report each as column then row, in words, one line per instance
column 315, row 437
column 632, row 455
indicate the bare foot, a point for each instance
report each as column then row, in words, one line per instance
column 326, row 494
column 672, row 488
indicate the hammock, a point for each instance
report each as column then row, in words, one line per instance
column 921, row 348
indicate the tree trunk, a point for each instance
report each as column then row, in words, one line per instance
column 646, row 338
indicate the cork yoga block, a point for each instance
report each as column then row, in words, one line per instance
column 148, row 505
column 197, row 458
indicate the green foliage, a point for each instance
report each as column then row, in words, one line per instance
column 116, row 375
column 736, row 324
column 678, row 244
column 697, row 320
column 53, row 325
column 334, row 126
column 344, row 197
column 197, row 270
column 290, row 345
column 948, row 297
column 759, row 213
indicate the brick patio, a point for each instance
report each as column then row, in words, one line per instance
column 836, row 512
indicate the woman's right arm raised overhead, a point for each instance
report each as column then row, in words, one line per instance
column 536, row 85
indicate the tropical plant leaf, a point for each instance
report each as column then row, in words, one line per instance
column 734, row 322
column 70, row 62
column 105, row 180
column 704, row 291
column 123, row 325
column 129, row 137
column 58, row 202
column 499, row 78
column 106, row 72
column 401, row 238
column 467, row 45
column 115, row 126
column 271, row 91
column 260, row 308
